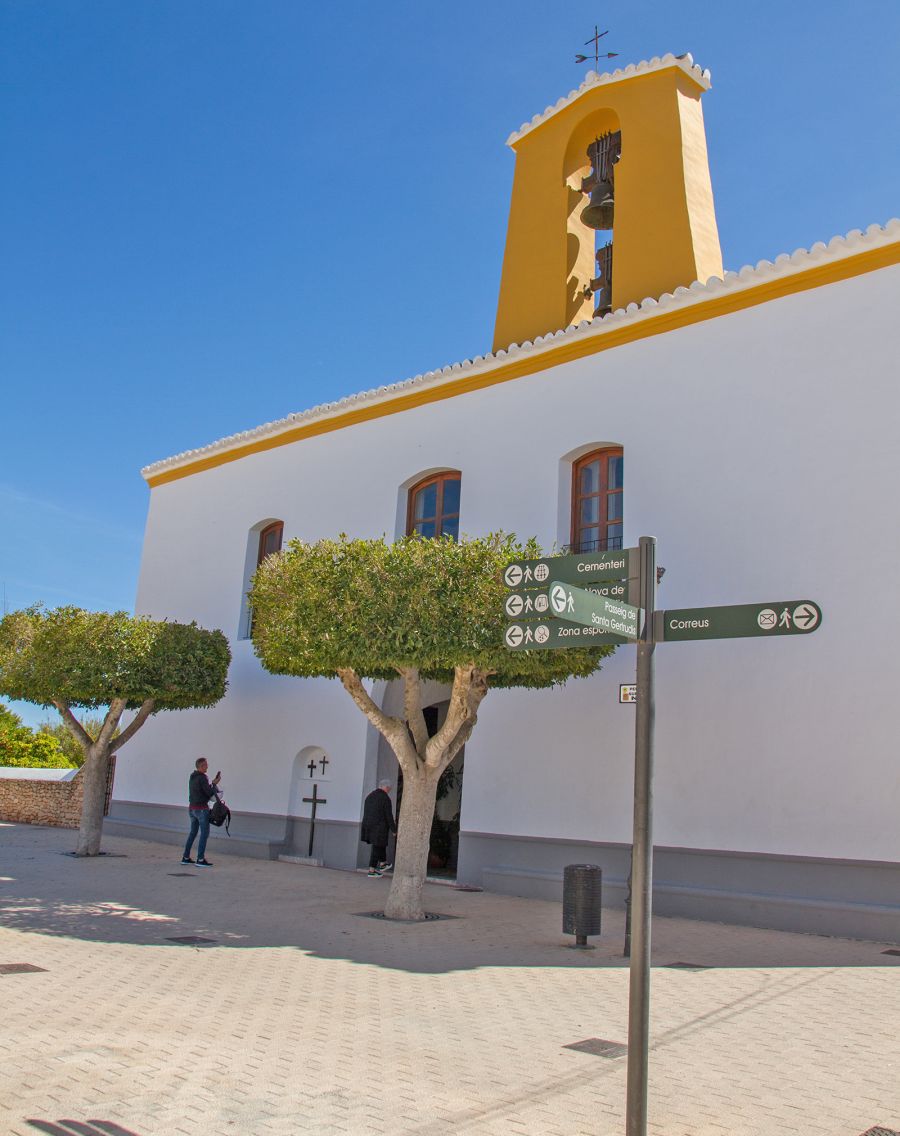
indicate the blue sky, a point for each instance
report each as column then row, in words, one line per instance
column 201, row 199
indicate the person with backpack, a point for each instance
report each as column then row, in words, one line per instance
column 200, row 792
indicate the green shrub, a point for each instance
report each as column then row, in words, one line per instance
column 22, row 747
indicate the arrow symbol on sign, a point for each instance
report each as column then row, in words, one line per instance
column 514, row 605
column 514, row 635
column 805, row 616
column 558, row 597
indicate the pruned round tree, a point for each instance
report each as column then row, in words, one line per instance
column 109, row 661
column 419, row 610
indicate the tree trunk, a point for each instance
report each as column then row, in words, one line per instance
column 413, row 836
column 94, row 775
column 422, row 760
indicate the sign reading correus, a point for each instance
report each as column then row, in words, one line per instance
column 777, row 617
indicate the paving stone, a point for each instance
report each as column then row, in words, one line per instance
column 304, row 1018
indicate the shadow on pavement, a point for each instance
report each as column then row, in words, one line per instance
column 145, row 898
column 81, row 1128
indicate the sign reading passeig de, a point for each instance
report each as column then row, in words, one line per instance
column 578, row 606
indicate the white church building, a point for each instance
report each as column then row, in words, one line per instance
column 748, row 420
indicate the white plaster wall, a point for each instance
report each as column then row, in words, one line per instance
column 759, row 450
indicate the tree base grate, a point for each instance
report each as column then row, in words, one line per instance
column 880, row 1132
column 21, row 968
column 430, row 917
column 892, row 951
column 189, row 940
column 599, row 1047
column 183, row 875
column 686, row 966
column 108, row 855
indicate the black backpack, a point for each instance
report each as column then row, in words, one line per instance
column 220, row 814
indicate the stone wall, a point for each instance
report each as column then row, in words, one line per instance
column 30, row 800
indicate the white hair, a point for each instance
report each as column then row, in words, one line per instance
column 385, row 784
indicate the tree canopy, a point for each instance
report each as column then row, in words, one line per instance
column 69, row 658
column 416, row 609
column 90, row 659
column 377, row 607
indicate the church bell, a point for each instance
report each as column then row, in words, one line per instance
column 603, row 152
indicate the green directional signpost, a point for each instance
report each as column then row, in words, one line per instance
column 579, row 606
column 579, row 600
column 778, row 617
column 582, row 568
column 554, row 633
column 534, row 603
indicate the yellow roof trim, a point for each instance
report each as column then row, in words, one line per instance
column 659, row 322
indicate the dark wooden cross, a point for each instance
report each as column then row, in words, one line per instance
column 315, row 800
column 313, row 765
column 323, row 761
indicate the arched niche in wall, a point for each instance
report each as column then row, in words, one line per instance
column 306, row 770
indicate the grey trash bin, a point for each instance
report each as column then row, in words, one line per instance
column 582, row 890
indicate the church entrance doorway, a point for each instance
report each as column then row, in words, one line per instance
column 443, row 849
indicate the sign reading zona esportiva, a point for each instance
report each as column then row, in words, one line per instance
column 556, row 633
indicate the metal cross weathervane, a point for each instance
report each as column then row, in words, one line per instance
column 595, row 40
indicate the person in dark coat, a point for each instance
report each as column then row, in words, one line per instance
column 377, row 825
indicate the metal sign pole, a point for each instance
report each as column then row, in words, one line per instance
column 642, row 855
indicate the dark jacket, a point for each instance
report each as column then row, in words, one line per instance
column 378, row 818
column 200, row 791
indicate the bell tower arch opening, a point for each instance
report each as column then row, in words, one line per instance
column 635, row 142
column 589, row 165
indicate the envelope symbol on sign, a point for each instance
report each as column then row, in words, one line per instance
column 767, row 619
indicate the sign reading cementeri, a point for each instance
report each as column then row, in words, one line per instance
column 582, row 568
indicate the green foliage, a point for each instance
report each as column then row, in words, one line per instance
column 374, row 606
column 85, row 658
column 67, row 741
column 20, row 746
column 9, row 719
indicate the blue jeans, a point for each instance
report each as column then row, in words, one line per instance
column 199, row 823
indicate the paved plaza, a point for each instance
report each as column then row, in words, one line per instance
column 303, row 1016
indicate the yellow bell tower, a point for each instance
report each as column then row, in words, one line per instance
column 635, row 141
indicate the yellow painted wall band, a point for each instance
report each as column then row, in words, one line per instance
column 568, row 350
